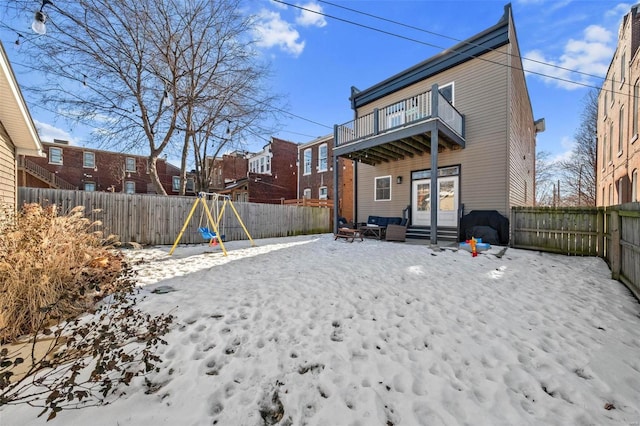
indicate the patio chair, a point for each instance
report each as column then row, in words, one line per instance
column 397, row 232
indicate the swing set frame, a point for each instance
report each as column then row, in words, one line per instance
column 201, row 199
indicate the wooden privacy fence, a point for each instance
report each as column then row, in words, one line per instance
column 157, row 220
column 612, row 233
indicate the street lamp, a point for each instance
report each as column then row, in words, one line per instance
column 40, row 18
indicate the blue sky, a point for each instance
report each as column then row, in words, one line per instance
column 315, row 59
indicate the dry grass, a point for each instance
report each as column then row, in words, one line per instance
column 51, row 268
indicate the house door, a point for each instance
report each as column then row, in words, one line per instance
column 447, row 202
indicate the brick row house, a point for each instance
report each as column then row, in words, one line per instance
column 618, row 150
column 271, row 175
column 452, row 134
column 315, row 169
column 73, row 167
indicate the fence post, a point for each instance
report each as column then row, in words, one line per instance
column 600, row 218
column 614, row 256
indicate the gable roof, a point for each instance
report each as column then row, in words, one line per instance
column 14, row 114
column 479, row 44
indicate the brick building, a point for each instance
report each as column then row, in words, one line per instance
column 618, row 126
column 315, row 169
column 271, row 175
column 74, row 167
column 227, row 169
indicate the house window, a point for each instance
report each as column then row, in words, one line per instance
column 129, row 187
column 89, row 186
column 613, row 78
column 395, row 115
column 190, row 185
column 622, row 68
column 307, row 161
column 447, row 92
column 610, row 194
column 130, row 164
column 89, row 160
column 621, row 130
column 634, row 186
column 176, row 184
column 262, row 170
column 620, row 188
column 636, row 93
column 605, row 149
column 323, row 193
column 322, row 158
column 605, row 103
column 610, row 150
column 307, row 193
column 383, row 188
column 55, row 155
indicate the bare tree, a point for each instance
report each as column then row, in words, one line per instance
column 151, row 75
column 579, row 171
column 544, row 179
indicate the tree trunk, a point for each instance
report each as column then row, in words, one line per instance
column 153, row 175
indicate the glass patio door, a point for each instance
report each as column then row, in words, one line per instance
column 447, row 202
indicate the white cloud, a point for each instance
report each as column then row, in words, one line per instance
column 589, row 55
column 272, row 30
column 48, row 133
column 567, row 145
column 312, row 16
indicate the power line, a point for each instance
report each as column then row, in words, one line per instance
column 400, row 36
column 457, row 40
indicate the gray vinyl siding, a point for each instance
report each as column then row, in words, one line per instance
column 8, row 192
column 481, row 94
column 521, row 136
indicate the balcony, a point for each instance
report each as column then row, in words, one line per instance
column 402, row 129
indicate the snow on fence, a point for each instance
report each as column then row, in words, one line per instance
column 612, row 233
column 156, row 219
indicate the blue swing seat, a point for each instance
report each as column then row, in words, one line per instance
column 208, row 234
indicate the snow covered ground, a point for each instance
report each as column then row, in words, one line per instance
column 311, row 331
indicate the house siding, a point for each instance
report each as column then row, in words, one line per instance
column 521, row 170
column 8, row 194
column 481, row 94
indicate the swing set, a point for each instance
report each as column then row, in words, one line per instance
column 211, row 231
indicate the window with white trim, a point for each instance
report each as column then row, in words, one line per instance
column 307, row 161
column 130, row 164
column 322, row 157
column 306, row 193
column 89, row 160
column 175, row 186
column 130, row 187
column 55, row 155
column 621, row 130
column 395, row 115
column 447, row 92
column 89, row 186
column 191, row 184
column 383, row 188
column 323, row 193
column 634, row 187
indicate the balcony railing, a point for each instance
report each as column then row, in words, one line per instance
column 399, row 115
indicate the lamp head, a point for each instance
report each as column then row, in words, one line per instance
column 38, row 22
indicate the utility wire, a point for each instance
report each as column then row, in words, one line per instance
column 469, row 43
column 347, row 21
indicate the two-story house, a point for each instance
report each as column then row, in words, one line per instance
column 452, row 134
column 315, row 175
column 226, row 169
column 618, row 151
column 271, row 175
column 18, row 135
column 74, row 167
